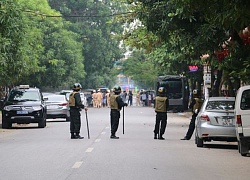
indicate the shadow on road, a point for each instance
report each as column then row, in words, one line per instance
column 221, row 146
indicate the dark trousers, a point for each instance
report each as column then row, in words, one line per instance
column 191, row 127
column 114, row 120
column 130, row 101
column 160, row 123
column 75, row 121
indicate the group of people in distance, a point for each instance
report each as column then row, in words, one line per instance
column 100, row 99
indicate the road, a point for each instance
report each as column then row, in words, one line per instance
column 31, row 153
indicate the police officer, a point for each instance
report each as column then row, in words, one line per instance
column 161, row 107
column 195, row 104
column 116, row 105
column 75, row 105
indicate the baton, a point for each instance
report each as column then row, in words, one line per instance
column 87, row 123
column 123, row 119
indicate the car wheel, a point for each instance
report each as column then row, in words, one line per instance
column 42, row 123
column 199, row 142
column 243, row 148
column 6, row 125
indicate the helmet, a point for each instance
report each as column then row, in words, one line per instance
column 195, row 92
column 162, row 90
column 117, row 90
column 77, row 86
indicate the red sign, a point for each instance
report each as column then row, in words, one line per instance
column 193, row 68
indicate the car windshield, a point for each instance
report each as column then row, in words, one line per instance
column 23, row 95
column 57, row 98
column 220, row 105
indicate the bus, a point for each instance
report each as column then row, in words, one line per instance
column 177, row 91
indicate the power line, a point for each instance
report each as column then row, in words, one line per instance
column 37, row 13
column 111, row 15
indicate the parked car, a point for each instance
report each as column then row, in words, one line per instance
column 216, row 121
column 242, row 115
column 23, row 105
column 57, row 106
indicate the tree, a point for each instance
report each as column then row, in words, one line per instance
column 198, row 27
column 12, row 35
column 92, row 20
column 141, row 69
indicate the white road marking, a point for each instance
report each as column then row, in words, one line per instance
column 97, row 140
column 103, row 133
column 77, row 164
column 89, row 150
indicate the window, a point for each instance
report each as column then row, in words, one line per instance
column 220, row 105
column 245, row 100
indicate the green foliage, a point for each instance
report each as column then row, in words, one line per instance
column 97, row 34
column 188, row 29
column 141, row 69
column 11, row 38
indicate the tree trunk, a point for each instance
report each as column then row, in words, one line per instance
column 216, row 87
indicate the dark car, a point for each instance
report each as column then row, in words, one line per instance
column 23, row 105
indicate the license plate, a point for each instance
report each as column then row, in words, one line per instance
column 52, row 107
column 22, row 112
column 227, row 122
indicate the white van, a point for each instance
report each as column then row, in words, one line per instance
column 242, row 116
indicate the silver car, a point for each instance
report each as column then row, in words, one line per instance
column 57, row 106
column 216, row 121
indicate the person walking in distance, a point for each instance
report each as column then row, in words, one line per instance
column 161, row 107
column 99, row 98
column 195, row 106
column 108, row 98
column 138, row 102
column 94, row 97
column 116, row 104
column 130, row 98
column 75, row 105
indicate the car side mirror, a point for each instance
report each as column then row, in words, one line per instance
column 45, row 98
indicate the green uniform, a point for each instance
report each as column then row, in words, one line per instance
column 75, row 105
column 161, row 106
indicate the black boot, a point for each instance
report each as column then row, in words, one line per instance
column 78, row 136
column 161, row 138
column 113, row 136
column 155, row 137
column 73, row 136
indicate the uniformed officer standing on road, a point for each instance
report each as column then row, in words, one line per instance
column 116, row 104
column 161, row 107
column 195, row 106
column 75, row 105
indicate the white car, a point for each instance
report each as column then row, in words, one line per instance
column 242, row 115
column 57, row 106
column 216, row 121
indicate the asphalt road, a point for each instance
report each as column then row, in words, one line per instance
column 31, row 153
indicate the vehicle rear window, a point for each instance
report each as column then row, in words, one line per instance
column 220, row 105
column 245, row 100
